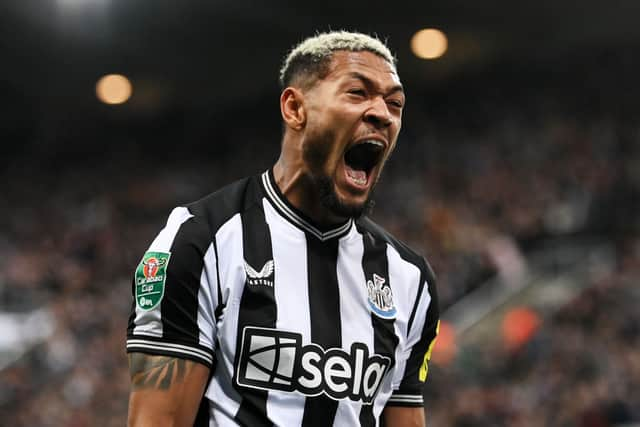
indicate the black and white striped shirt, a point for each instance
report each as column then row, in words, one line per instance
column 300, row 325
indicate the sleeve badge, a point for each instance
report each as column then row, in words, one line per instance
column 150, row 278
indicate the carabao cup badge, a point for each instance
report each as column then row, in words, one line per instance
column 150, row 279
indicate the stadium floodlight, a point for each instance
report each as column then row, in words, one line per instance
column 429, row 43
column 114, row 89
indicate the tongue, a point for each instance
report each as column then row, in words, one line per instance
column 358, row 176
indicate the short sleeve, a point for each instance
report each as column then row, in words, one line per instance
column 422, row 334
column 175, row 292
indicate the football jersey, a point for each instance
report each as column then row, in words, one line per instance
column 300, row 325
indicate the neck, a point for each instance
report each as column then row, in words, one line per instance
column 300, row 190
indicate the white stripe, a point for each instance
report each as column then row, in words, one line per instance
column 171, row 350
column 295, row 218
column 149, row 322
column 135, row 341
column 355, row 315
column 412, row 401
column 421, row 315
column 169, row 344
column 405, row 279
column 151, row 345
column 224, row 398
column 208, row 300
column 405, row 397
column 291, row 293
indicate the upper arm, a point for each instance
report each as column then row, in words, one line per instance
column 396, row 416
column 175, row 290
column 422, row 330
column 172, row 327
column 165, row 390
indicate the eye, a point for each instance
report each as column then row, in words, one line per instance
column 395, row 103
column 357, row 92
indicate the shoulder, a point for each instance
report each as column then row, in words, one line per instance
column 218, row 207
column 368, row 227
column 193, row 225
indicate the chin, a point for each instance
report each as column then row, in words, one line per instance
column 337, row 205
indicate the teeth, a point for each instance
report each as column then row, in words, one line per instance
column 359, row 177
column 374, row 142
column 359, row 181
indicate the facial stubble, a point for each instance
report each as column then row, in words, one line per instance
column 316, row 155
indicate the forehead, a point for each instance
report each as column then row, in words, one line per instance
column 376, row 68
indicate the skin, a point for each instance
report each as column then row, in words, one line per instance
column 165, row 391
column 397, row 416
column 360, row 98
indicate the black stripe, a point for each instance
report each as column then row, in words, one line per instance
column 218, row 208
column 324, row 308
column 257, row 308
column 410, row 383
column 179, row 306
column 416, row 303
column 132, row 314
column 426, row 275
column 385, row 341
column 221, row 304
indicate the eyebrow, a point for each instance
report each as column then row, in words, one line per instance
column 368, row 82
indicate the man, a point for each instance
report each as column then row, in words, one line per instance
column 275, row 301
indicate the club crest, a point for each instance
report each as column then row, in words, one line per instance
column 263, row 277
column 380, row 297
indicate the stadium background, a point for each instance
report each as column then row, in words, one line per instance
column 517, row 174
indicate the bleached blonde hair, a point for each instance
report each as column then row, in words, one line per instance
column 309, row 60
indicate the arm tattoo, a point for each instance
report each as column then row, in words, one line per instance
column 158, row 372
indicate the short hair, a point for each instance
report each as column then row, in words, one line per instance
column 310, row 60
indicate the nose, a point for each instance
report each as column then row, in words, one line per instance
column 378, row 114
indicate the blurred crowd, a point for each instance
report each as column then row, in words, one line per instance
column 582, row 367
column 480, row 178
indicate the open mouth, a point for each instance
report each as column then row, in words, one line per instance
column 360, row 160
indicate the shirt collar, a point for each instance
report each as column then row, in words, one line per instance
column 293, row 215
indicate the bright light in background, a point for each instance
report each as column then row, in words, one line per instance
column 429, row 43
column 518, row 327
column 113, row 89
column 77, row 3
column 446, row 348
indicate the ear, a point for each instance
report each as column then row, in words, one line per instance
column 292, row 108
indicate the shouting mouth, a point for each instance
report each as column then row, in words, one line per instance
column 361, row 159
